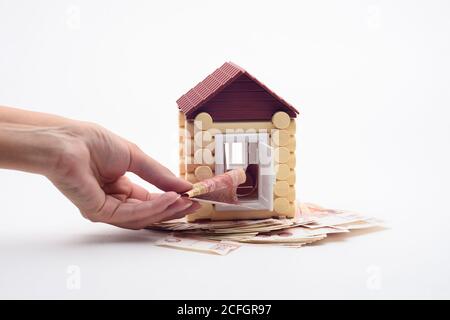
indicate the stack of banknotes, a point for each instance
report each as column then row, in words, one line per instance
column 312, row 223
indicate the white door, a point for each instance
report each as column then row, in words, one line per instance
column 253, row 153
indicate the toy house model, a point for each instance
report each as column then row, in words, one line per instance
column 232, row 120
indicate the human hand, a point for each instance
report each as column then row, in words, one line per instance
column 88, row 167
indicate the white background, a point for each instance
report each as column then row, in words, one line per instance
column 370, row 78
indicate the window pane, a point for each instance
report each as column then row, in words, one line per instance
column 234, row 153
column 237, row 153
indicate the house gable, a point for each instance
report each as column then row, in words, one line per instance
column 232, row 94
column 243, row 100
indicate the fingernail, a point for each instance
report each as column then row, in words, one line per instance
column 171, row 194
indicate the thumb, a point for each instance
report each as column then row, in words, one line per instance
column 152, row 171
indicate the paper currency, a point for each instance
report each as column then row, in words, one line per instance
column 364, row 224
column 221, row 188
column 180, row 242
column 182, row 225
column 335, row 218
column 312, row 223
column 294, row 235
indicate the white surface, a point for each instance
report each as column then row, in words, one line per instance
column 371, row 79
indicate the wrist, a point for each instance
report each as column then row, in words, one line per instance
column 36, row 149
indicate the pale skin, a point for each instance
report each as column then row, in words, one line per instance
column 87, row 163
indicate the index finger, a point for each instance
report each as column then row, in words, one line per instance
column 116, row 212
column 152, row 171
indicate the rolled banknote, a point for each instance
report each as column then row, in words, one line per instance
column 221, row 188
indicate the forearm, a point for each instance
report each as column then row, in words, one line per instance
column 33, row 141
column 28, row 148
column 25, row 117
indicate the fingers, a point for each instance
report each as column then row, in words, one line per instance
column 128, row 205
column 191, row 209
column 154, row 172
column 132, row 215
column 118, row 212
column 137, row 214
column 124, row 189
column 177, row 210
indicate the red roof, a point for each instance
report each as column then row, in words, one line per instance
column 215, row 83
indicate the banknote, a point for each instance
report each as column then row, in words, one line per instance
column 195, row 244
column 309, row 208
column 312, row 223
column 221, row 188
column 296, row 234
column 182, row 224
column 336, row 219
column 235, row 237
column 238, row 204
column 362, row 224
